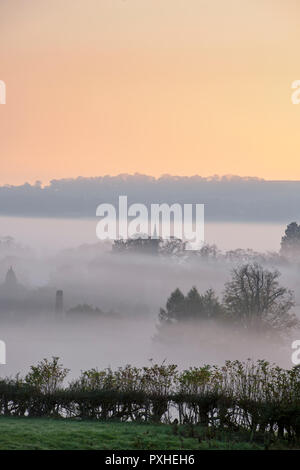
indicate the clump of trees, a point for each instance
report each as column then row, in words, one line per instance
column 146, row 245
column 252, row 299
column 193, row 306
column 85, row 309
column 91, row 311
column 138, row 244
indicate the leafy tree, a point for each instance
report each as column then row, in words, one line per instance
column 193, row 303
column 254, row 298
column 47, row 376
column 290, row 242
column 174, row 308
column 211, row 305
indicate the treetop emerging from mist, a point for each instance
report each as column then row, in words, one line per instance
column 253, row 299
column 290, row 242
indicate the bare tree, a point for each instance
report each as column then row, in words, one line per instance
column 254, row 299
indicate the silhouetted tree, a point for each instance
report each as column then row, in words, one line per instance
column 193, row 303
column 254, row 299
column 174, row 308
column 290, row 242
column 211, row 305
column 192, row 307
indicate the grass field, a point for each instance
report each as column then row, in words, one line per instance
column 51, row 434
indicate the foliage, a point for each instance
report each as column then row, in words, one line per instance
column 258, row 398
column 47, row 376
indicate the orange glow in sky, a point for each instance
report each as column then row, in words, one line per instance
column 183, row 87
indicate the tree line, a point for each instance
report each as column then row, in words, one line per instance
column 253, row 299
column 149, row 245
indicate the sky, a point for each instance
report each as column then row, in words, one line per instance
column 184, row 87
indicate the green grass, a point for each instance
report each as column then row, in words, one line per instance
column 52, row 434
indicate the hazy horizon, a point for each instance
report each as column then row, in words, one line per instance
column 226, row 199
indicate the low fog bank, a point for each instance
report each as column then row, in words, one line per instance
column 120, row 296
column 85, row 344
column 127, row 284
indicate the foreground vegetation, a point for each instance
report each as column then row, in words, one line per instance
column 258, row 402
column 66, row 434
